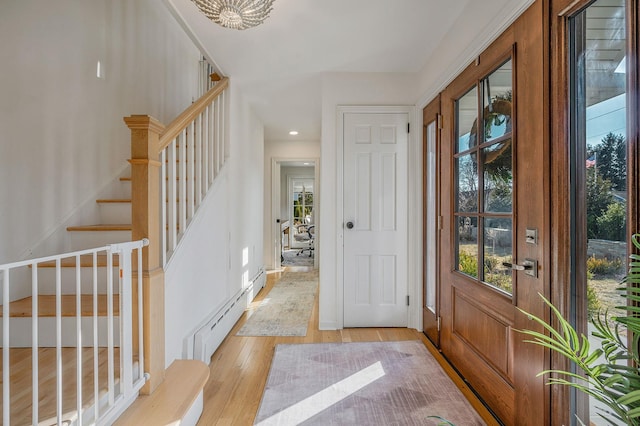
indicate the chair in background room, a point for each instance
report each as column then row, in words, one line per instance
column 305, row 233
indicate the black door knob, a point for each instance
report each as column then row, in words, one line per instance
column 349, row 225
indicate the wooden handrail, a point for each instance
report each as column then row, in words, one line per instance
column 149, row 139
column 176, row 126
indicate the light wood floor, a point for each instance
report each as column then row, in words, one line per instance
column 21, row 381
column 240, row 366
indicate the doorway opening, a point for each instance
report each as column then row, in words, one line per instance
column 295, row 207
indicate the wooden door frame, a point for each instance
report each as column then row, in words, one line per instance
column 561, row 220
column 414, row 219
column 276, row 166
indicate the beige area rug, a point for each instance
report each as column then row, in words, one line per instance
column 285, row 311
column 376, row 383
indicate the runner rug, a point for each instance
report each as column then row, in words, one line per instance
column 286, row 310
column 376, row 383
column 295, row 258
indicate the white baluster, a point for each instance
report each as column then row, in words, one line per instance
column 78, row 340
column 6, row 394
column 58, row 341
column 198, row 156
column 182, row 195
column 96, row 384
column 191, row 165
column 163, row 203
column 34, row 343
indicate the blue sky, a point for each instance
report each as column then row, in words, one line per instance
column 604, row 117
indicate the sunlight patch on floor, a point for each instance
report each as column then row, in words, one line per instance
column 327, row 397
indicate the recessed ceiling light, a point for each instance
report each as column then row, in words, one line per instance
column 293, row 132
column 306, row 164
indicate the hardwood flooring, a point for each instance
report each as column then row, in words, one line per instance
column 22, row 308
column 240, row 366
column 21, row 381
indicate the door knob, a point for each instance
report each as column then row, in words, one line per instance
column 529, row 266
column 349, row 225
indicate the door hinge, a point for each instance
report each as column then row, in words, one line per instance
column 408, row 127
column 408, row 300
column 439, row 223
column 439, row 120
column 439, row 323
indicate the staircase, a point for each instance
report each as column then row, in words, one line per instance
column 78, row 298
column 114, row 227
column 65, row 335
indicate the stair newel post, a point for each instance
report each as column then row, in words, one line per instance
column 145, row 214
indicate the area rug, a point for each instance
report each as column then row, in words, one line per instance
column 375, row 383
column 291, row 258
column 286, row 309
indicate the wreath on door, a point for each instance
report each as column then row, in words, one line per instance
column 497, row 159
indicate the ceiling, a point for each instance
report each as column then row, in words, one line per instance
column 279, row 64
column 605, row 46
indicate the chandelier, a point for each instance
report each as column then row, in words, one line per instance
column 236, row 14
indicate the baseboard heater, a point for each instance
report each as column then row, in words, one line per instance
column 210, row 336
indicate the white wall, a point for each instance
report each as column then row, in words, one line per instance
column 222, row 249
column 466, row 39
column 63, row 138
column 246, row 201
column 357, row 89
column 285, row 151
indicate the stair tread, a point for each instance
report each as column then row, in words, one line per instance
column 171, row 401
column 101, row 227
column 47, row 306
column 86, row 260
column 113, row 200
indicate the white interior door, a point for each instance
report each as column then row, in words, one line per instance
column 375, row 220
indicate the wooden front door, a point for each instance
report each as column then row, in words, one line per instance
column 494, row 214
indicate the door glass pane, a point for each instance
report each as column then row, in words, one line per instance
column 485, row 188
column 467, row 120
column 430, row 255
column 302, row 197
column 498, row 177
column 467, row 245
column 467, row 179
column 598, row 38
column 497, row 91
column 498, row 248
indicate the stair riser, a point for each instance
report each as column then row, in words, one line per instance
column 124, row 190
column 81, row 240
column 20, row 336
column 115, row 212
column 47, row 280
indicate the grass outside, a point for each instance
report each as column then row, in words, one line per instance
column 607, row 297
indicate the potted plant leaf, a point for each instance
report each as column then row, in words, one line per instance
column 608, row 373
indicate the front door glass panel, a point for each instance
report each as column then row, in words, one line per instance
column 467, row 120
column 497, row 91
column 484, row 180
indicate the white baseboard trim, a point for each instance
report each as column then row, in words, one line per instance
column 209, row 337
column 328, row 325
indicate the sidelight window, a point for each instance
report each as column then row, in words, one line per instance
column 598, row 142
